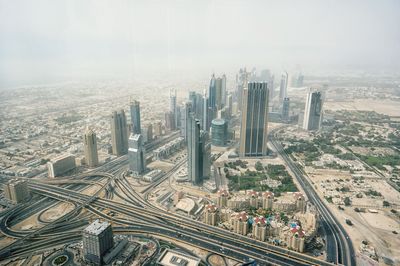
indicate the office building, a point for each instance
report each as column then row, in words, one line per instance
column 157, row 129
column 229, row 105
column 90, row 147
column 97, row 240
column 283, row 87
column 197, row 150
column 206, row 154
column 241, row 82
column 136, row 155
column 16, row 190
column 186, row 110
column 212, row 93
column 285, row 109
column 313, row 111
column 135, row 117
column 173, row 108
column 219, row 132
column 61, row 165
column 253, row 133
column 119, row 133
column 170, row 121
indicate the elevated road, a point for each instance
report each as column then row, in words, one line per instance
column 260, row 251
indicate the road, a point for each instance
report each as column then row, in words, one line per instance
column 339, row 246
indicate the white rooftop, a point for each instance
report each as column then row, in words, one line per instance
column 96, row 227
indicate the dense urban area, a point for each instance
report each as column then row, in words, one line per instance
column 170, row 176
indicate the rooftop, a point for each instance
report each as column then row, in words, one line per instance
column 96, row 227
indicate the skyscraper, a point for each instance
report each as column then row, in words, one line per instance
column 137, row 159
column 205, row 154
column 313, row 111
column 212, row 93
column 172, row 107
column 170, row 121
column 198, row 151
column 186, row 110
column 285, row 109
column 253, row 133
column 229, row 104
column 90, row 146
column 135, row 117
column 283, row 86
column 119, row 133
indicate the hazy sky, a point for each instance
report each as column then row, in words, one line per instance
column 52, row 40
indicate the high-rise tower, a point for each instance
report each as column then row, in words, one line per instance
column 313, row 111
column 135, row 117
column 90, row 146
column 119, row 133
column 253, row 133
column 198, row 151
column 137, row 159
column 283, row 87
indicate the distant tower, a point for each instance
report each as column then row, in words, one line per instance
column 136, row 155
column 170, row 121
column 90, row 145
column 283, row 86
column 186, row 110
column 172, row 107
column 135, row 117
column 253, row 133
column 212, row 93
column 285, row 109
column 313, row 111
column 97, row 240
column 119, row 133
column 206, row 154
column 229, row 104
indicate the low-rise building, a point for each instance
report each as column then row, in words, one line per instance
column 16, row 190
column 61, row 164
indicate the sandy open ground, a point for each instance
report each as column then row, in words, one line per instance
column 387, row 107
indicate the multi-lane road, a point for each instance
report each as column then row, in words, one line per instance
column 339, row 246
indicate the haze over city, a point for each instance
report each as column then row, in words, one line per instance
column 194, row 133
column 47, row 41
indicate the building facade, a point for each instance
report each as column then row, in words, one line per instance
column 219, row 132
column 313, row 111
column 119, row 133
column 60, row 165
column 90, row 147
column 254, row 124
column 136, row 155
column 16, row 190
column 135, row 117
column 97, row 240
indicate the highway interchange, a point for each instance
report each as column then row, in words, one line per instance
column 135, row 215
